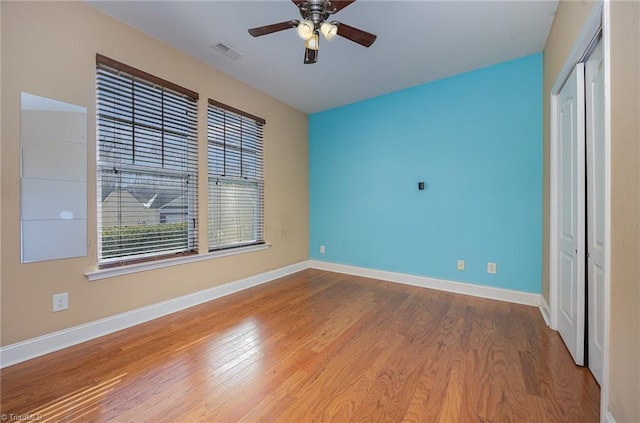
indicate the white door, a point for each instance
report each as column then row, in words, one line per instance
column 570, row 127
column 594, row 95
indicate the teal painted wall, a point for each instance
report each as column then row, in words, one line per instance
column 475, row 140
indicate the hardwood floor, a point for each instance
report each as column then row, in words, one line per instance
column 315, row 347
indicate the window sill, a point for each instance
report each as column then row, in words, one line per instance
column 142, row 267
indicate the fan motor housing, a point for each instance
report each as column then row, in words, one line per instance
column 316, row 11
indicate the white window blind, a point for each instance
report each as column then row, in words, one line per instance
column 147, row 166
column 235, row 156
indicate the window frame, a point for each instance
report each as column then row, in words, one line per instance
column 258, row 169
column 181, row 164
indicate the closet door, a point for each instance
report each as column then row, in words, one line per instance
column 570, row 126
column 594, row 97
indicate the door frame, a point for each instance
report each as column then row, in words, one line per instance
column 597, row 22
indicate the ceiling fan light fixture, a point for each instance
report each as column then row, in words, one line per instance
column 313, row 42
column 305, row 29
column 329, row 30
column 315, row 21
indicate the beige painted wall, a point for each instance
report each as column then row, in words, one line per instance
column 624, row 359
column 1, row 237
column 48, row 49
column 624, row 375
column 567, row 24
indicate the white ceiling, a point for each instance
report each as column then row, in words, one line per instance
column 418, row 42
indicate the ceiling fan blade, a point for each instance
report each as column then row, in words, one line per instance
column 269, row 29
column 338, row 5
column 356, row 35
column 310, row 56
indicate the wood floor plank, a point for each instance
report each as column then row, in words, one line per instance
column 315, row 346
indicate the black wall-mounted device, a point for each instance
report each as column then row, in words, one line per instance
column 420, row 186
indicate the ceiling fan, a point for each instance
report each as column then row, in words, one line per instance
column 315, row 15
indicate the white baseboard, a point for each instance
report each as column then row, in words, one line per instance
column 25, row 350
column 22, row 351
column 439, row 284
column 545, row 311
column 608, row 417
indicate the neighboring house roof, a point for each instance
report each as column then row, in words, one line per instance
column 150, row 196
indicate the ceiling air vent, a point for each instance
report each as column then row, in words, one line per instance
column 227, row 51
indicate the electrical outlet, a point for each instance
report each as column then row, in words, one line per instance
column 460, row 264
column 322, row 249
column 60, row 302
column 492, row 268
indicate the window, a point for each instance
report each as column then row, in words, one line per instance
column 236, row 213
column 147, row 165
